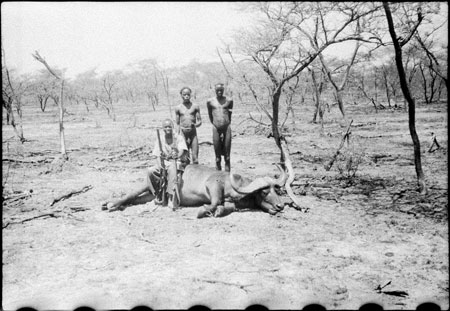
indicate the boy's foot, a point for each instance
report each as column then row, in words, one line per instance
column 170, row 201
column 203, row 212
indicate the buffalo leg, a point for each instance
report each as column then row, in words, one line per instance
column 206, row 211
column 224, row 210
column 215, row 192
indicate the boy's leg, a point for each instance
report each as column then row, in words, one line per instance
column 227, row 148
column 194, row 147
column 217, row 148
column 172, row 186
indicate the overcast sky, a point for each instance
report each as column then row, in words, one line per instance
column 80, row 36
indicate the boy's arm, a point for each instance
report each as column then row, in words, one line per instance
column 177, row 118
column 198, row 117
column 208, row 105
column 230, row 109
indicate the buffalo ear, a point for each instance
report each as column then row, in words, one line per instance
column 236, row 180
column 255, row 185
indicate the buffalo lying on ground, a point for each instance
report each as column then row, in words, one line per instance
column 211, row 189
column 218, row 193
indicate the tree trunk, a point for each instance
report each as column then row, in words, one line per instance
column 409, row 99
column 425, row 86
column 275, row 130
column 11, row 120
column 340, row 103
column 61, row 122
column 317, row 91
column 386, row 86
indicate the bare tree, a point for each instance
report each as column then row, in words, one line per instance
column 165, row 80
column 146, row 76
column 292, row 36
column 434, row 64
column 86, row 88
column 60, row 103
column 289, row 38
column 12, row 99
column 385, row 71
column 363, row 89
column 432, row 72
column 108, row 97
column 399, row 43
column 318, row 85
column 43, row 86
column 339, row 87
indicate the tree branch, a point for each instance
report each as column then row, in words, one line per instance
column 40, row 59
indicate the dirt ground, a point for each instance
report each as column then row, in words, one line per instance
column 355, row 234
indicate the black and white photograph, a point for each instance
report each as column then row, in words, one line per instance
column 225, row 155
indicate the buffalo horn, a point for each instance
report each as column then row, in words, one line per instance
column 255, row 185
column 280, row 181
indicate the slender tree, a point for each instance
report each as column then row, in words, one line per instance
column 12, row 98
column 60, row 103
column 398, row 44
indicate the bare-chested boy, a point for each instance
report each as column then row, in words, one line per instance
column 188, row 118
column 219, row 111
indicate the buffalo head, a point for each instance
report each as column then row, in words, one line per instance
column 263, row 191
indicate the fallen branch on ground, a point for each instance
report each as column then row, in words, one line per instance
column 143, row 238
column 27, row 161
column 345, row 137
column 68, row 195
column 51, row 214
column 381, row 136
column 13, row 198
column 116, row 156
column 364, row 124
column 385, row 157
column 241, row 286
column 433, row 143
column 307, row 184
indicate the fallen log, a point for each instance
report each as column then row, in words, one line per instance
column 68, row 195
column 345, row 137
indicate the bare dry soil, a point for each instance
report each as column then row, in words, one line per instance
column 354, row 235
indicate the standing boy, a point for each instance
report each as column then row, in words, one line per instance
column 188, row 118
column 219, row 111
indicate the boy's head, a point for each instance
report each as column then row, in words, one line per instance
column 186, row 93
column 167, row 126
column 219, row 88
